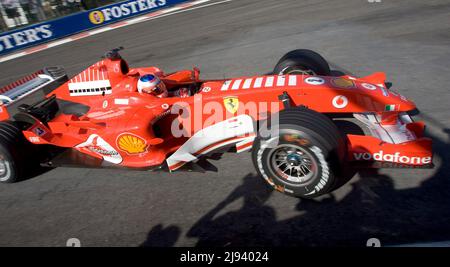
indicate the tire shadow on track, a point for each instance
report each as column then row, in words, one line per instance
column 372, row 209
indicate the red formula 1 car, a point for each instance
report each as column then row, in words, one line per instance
column 306, row 128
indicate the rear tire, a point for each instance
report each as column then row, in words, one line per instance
column 304, row 158
column 302, row 61
column 14, row 151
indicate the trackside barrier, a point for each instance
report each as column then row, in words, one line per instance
column 54, row 29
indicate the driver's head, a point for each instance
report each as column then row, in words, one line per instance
column 151, row 84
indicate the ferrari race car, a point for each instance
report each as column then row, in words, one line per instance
column 306, row 127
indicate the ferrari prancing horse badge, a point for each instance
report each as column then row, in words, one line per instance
column 231, row 104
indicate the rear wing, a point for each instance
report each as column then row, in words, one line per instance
column 29, row 89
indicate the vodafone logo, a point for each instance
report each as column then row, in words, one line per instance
column 340, row 101
column 396, row 158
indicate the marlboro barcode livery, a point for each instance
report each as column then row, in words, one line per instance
column 114, row 116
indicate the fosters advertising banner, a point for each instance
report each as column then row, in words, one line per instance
column 54, row 29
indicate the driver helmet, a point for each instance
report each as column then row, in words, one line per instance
column 151, row 84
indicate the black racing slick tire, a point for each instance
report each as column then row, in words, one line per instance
column 14, row 150
column 303, row 155
column 302, row 61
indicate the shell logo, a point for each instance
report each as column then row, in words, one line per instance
column 96, row 17
column 132, row 144
column 343, row 83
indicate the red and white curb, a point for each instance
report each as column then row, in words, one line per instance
column 154, row 15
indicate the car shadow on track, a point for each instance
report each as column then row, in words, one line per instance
column 161, row 236
column 372, row 209
column 243, row 227
column 254, row 192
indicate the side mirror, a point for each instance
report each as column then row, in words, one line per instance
column 113, row 54
column 196, row 74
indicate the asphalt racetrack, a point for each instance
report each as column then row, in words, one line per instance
column 409, row 40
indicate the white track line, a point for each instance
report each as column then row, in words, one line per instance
column 197, row 7
column 183, row 7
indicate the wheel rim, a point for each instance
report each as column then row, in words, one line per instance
column 3, row 169
column 293, row 163
column 296, row 71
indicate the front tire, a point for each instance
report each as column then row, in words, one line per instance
column 302, row 61
column 303, row 159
